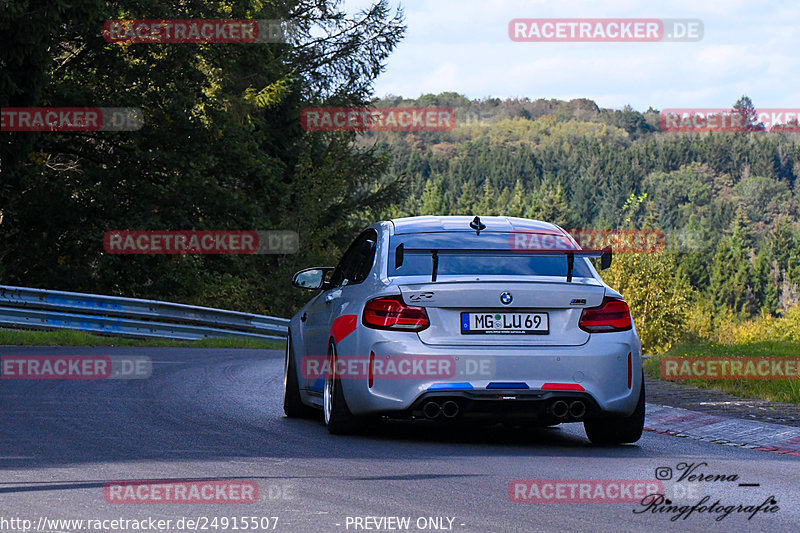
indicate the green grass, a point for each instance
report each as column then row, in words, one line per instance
column 787, row 391
column 68, row 337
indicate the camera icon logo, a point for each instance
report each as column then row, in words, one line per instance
column 663, row 473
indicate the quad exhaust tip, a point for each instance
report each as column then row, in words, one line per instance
column 559, row 408
column 431, row 409
column 577, row 409
column 450, row 409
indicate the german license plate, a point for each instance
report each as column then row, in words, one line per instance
column 505, row 323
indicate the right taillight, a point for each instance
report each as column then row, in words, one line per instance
column 392, row 313
column 612, row 315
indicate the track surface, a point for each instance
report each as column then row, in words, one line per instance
column 216, row 414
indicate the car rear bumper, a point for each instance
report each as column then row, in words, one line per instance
column 546, row 407
column 506, row 381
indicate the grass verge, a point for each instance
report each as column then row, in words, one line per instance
column 68, row 337
column 787, row 391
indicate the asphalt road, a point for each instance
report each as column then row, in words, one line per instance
column 216, row 415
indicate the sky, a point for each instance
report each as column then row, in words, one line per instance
column 749, row 47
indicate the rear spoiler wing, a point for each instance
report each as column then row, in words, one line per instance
column 605, row 256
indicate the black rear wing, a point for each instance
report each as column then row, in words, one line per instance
column 605, row 255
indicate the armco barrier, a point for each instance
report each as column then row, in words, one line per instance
column 22, row 307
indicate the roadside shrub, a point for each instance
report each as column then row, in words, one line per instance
column 658, row 295
column 767, row 328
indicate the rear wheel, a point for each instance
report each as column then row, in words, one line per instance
column 338, row 418
column 293, row 406
column 618, row 430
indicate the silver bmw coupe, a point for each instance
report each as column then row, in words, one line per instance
column 448, row 319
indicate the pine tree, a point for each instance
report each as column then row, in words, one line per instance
column 466, row 201
column 487, row 205
column 732, row 277
column 550, row 205
column 516, row 204
column 766, row 282
column 431, row 202
column 745, row 109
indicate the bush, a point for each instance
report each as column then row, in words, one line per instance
column 766, row 328
column 658, row 295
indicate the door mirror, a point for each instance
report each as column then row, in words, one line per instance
column 311, row 278
column 605, row 259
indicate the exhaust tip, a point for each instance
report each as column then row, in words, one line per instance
column 577, row 409
column 450, row 409
column 559, row 408
column 431, row 409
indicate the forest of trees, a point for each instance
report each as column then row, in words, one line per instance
column 222, row 147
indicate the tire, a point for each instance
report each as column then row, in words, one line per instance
column 293, row 406
column 336, row 415
column 618, row 430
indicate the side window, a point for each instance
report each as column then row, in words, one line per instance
column 338, row 276
column 357, row 261
column 365, row 258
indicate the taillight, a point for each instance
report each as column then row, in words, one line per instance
column 612, row 315
column 392, row 313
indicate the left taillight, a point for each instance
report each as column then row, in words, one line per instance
column 612, row 315
column 392, row 313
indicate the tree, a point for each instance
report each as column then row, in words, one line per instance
column 747, row 115
column 222, row 146
column 432, row 201
column 466, row 201
column 766, row 282
column 516, row 204
column 487, row 205
column 550, row 205
column 731, row 280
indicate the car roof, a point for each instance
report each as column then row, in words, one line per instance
column 436, row 224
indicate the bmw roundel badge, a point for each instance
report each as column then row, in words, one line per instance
column 506, row 298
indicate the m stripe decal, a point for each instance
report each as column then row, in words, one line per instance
column 343, row 326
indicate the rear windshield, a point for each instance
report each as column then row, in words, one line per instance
column 468, row 254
